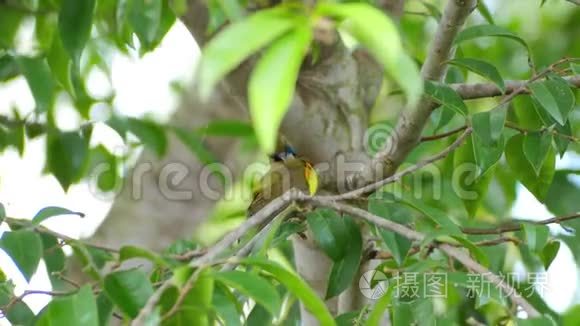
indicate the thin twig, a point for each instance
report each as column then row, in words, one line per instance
column 443, row 135
column 516, row 226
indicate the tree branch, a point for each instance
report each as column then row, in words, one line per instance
column 409, row 127
column 516, row 226
column 483, row 90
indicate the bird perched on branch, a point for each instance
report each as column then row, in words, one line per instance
column 287, row 171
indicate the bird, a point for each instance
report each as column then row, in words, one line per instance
column 287, row 171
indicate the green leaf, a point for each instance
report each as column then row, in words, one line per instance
column 446, row 96
column 488, row 126
column 272, row 84
column 563, row 194
column 226, row 306
column 536, row 236
column 253, row 286
column 77, row 309
column 536, row 147
column 472, row 184
column 478, row 31
column 19, row 313
column 555, row 96
column 67, row 157
column 8, row 67
column 39, row 78
column 344, row 271
column 196, row 307
column 150, row 133
column 60, row 64
column 53, row 256
column 549, row 253
column 296, row 286
column 10, row 20
column 74, row 23
column 2, row 213
column 481, row 68
column 227, row 128
column 129, row 290
column 376, row 316
column 524, row 172
column 103, row 166
column 130, row 252
column 436, row 215
column 397, row 244
column 51, row 211
column 144, row 16
column 329, row 231
column 486, row 156
column 218, row 58
column 45, row 28
column 25, row 249
column 377, row 32
column 484, row 11
column 105, row 309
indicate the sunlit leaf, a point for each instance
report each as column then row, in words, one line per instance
column 377, row 32
column 477, row 31
column 51, row 211
column 555, row 97
column 219, row 58
column 536, row 147
column 488, row 125
column 272, row 84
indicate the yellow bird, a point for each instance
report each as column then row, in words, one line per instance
column 286, row 172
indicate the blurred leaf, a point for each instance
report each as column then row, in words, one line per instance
column 329, row 230
column 488, row 126
column 524, row 172
column 259, row 316
column 45, row 27
column 67, row 157
column 51, row 211
column 477, row 253
column 379, row 35
column 196, row 306
column 144, row 16
column 150, row 134
column 432, row 9
column 477, row 31
column 445, row 96
column 77, row 309
column 345, row 270
column 537, row 321
column 105, row 309
column 226, row 306
column 19, row 313
column 129, row 290
column 487, row 156
column 384, row 207
column 484, row 11
column 555, row 97
column 549, row 253
column 25, row 249
column 60, row 64
column 232, row 9
column 436, row 215
column 481, row 68
column 253, row 286
column 228, row 128
column 74, row 23
column 39, row 78
column 218, row 59
column 8, row 68
column 296, row 286
column 536, row 147
column 103, row 166
column 272, row 84
column 563, row 194
column 379, row 308
column 10, row 20
column 536, row 236
column 130, row 252
column 2, row 213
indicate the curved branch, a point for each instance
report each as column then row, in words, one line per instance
column 516, row 226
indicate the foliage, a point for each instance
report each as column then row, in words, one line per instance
column 511, row 140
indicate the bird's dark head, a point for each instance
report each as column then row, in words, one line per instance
column 287, row 153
